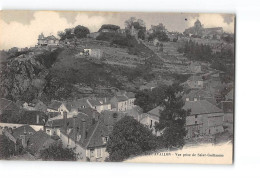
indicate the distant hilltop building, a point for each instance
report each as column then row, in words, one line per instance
column 47, row 41
column 208, row 33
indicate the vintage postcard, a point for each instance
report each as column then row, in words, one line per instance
column 117, row 86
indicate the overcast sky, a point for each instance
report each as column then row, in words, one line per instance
column 21, row 28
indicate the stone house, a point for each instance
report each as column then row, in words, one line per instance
column 57, row 106
column 93, row 53
column 119, row 103
column 100, row 104
column 204, row 119
column 47, row 41
column 89, row 136
column 151, row 118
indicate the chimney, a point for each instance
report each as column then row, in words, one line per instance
column 84, row 132
column 24, row 143
column 65, row 120
column 74, row 127
column 37, row 119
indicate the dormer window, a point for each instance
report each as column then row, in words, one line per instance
column 105, row 139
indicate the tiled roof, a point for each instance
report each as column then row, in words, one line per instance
column 121, row 98
column 28, row 130
column 95, row 132
column 130, row 95
column 155, row 111
column 94, row 102
column 77, row 103
column 55, row 105
column 38, row 140
column 201, row 107
column 198, row 93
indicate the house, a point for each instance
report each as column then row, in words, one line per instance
column 39, row 141
column 119, row 103
column 130, row 96
column 204, row 118
column 47, row 41
column 52, row 127
column 35, row 105
column 151, row 118
column 93, row 53
column 88, row 137
column 199, row 94
column 131, row 100
column 57, row 106
column 195, row 82
column 100, row 104
column 136, row 112
column 77, row 104
column 23, row 134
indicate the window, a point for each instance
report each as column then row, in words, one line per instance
column 99, row 153
column 105, row 139
column 151, row 123
column 196, row 115
column 196, row 122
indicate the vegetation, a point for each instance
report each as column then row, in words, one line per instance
column 81, row 31
column 67, row 34
column 173, row 118
column 159, row 32
column 8, row 148
column 223, row 60
column 129, row 138
column 138, row 24
column 57, row 153
column 109, row 27
column 195, row 51
column 149, row 99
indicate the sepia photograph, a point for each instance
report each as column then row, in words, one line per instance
column 100, row 86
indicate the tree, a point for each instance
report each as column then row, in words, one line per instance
column 173, row 118
column 81, row 31
column 67, row 34
column 159, row 31
column 128, row 138
column 58, row 153
column 109, row 26
column 7, row 147
column 138, row 24
column 148, row 100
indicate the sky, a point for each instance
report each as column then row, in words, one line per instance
column 21, row 28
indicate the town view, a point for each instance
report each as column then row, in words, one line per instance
column 119, row 92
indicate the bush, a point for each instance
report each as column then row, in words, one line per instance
column 58, row 153
column 81, row 31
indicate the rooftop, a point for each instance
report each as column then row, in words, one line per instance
column 201, row 107
column 55, row 105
